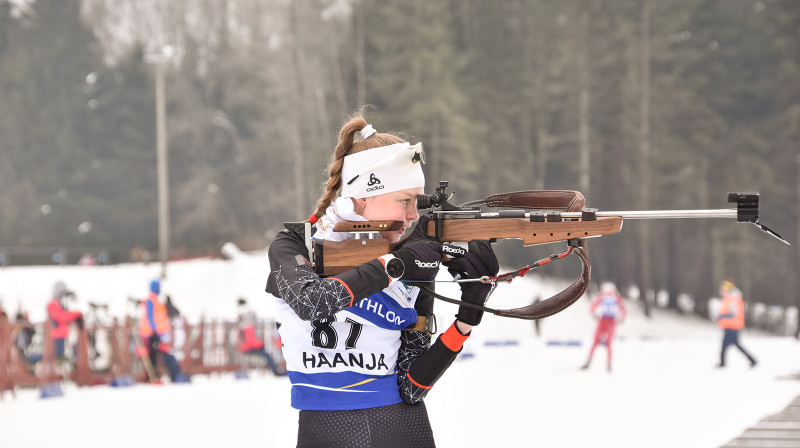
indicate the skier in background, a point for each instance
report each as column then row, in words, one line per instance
column 611, row 309
column 250, row 343
column 731, row 320
column 60, row 317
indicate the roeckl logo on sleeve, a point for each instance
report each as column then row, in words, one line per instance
column 374, row 181
column 455, row 250
column 422, row 264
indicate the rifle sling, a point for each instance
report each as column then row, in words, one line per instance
column 560, row 301
column 564, row 200
column 545, row 308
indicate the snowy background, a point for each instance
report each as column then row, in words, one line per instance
column 508, row 388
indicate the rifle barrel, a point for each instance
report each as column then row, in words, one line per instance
column 663, row 214
column 636, row 214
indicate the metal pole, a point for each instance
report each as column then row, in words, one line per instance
column 162, row 160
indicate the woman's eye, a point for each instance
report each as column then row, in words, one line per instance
column 405, row 201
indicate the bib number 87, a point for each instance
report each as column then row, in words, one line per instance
column 323, row 335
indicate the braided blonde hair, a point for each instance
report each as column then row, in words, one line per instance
column 347, row 145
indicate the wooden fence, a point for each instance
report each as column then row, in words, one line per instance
column 96, row 355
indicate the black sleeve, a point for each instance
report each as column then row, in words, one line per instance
column 413, row 344
column 292, row 278
column 419, row 363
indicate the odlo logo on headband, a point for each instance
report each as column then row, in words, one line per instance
column 372, row 181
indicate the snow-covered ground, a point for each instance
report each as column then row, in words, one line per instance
column 509, row 387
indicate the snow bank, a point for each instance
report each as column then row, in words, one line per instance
column 509, row 387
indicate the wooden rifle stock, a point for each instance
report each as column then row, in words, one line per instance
column 523, row 229
column 333, row 258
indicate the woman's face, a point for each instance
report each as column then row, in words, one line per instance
column 396, row 206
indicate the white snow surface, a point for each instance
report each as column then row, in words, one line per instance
column 509, row 387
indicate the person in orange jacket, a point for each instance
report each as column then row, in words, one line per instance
column 155, row 332
column 731, row 320
column 612, row 309
column 60, row 318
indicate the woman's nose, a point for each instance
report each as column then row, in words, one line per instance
column 413, row 213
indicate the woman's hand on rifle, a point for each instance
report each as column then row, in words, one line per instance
column 478, row 262
column 421, row 256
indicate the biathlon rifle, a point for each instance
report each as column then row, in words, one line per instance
column 532, row 216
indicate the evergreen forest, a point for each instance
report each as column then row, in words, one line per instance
column 640, row 105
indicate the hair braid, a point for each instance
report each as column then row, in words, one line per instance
column 345, row 146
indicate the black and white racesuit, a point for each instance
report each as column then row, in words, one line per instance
column 358, row 378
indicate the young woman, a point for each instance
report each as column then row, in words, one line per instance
column 358, row 364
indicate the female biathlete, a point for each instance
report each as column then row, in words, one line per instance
column 359, row 363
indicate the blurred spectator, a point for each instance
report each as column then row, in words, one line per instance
column 60, row 317
column 154, row 330
column 2, row 311
column 731, row 320
column 611, row 309
column 87, row 259
column 23, row 338
column 250, row 344
column 178, row 327
column 98, row 320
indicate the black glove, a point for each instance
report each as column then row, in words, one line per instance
column 155, row 342
column 479, row 261
column 421, row 256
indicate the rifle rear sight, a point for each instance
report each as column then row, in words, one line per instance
column 437, row 201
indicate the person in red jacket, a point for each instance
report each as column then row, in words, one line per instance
column 611, row 308
column 60, row 318
column 731, row 320
column 250, row 343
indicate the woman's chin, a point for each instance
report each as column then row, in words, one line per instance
column 393, row 237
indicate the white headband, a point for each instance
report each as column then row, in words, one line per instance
column 383, row 170
column 367, row 131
